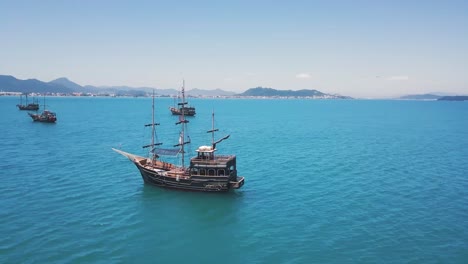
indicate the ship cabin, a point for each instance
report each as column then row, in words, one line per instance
column 208, row 165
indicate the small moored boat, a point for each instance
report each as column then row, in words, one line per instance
column 46, row 116
column 34, row 106
column 182, row 107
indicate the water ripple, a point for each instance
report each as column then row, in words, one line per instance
column 326, row 181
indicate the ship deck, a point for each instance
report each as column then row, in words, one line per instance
column 218, row 159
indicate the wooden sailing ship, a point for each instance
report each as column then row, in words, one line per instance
column 182, row 107
column 34, row 106
column 207, row 172
column 45, row 117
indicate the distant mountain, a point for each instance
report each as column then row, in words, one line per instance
column 270, row 92
column 172, row 92
column 67, row 83
column 420, row 97
column 454, row 98
column 11, row 84
column 78, row 88
column 65, row 86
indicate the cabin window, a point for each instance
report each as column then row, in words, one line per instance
column 221, row 172
column 202, row 172
column 195, row 171
column 211, row 172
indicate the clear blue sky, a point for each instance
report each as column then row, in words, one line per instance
column 357, row 48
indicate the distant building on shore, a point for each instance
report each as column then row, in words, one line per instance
column 2, row 93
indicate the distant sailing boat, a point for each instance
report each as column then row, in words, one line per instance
column 46, row 116
column 32, row 106
column 207, row 172
column 182, row 109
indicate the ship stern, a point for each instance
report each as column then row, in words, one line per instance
column 237, row 183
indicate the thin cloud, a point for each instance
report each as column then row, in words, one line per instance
column 398, row 78
column 303, row 76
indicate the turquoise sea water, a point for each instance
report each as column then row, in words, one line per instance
column 326, row 182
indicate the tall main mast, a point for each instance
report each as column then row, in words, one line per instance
column 183, row 124
column 182, row 121
column 152, row 122
column 153, row 132
column 213, row 129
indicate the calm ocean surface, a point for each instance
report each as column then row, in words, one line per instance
column 326, row 182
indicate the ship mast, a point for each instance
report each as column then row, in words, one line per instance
column 152, row 122
column 213, row 129
column 153, row 132
column 184, row 122
column 213, row 142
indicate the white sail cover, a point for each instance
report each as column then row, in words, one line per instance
column 166, row 152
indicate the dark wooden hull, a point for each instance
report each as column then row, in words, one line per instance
column 30, row 107
column 201, row 184
column 39, row 118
